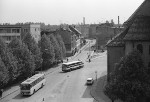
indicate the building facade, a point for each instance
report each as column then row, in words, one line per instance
column 135, row 36
column 105, row 32
column 8, row 32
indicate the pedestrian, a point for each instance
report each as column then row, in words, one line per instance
column 89, row 60
column 1, row 92
column 61, row 61
column 67, row 59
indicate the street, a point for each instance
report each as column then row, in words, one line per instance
column 67, row 86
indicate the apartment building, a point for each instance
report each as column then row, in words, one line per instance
column 8, row 32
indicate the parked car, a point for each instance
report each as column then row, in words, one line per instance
column 89, row 81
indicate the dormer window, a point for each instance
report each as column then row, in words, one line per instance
column 140, row 48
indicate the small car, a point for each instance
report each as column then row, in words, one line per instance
column 90, row 81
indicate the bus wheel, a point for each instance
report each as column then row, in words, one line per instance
column 34, row 91
column 42, row 85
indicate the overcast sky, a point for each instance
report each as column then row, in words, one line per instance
column 66, row 11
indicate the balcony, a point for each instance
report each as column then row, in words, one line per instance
column 10, row 34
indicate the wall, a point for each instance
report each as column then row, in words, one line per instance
column 114, row 55
column 69, row 41
column 35, row 31
column 92, row 30
column 131, row 45
column 105, row 33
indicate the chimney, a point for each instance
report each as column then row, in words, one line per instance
column 118, row 21
column 83, row 20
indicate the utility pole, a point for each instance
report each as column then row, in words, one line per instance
column 89, row 47
column 96, row 75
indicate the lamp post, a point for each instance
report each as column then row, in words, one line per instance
column 89, row 48
column 96, row 75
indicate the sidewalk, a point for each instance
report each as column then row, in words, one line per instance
column 97, row 90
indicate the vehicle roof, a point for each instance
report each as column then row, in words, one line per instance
column 33, row 78
column 89, row 78
column 67, row 63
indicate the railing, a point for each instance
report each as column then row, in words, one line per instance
column 10, row 34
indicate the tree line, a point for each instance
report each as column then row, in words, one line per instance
column 130, row 80
column 22, row 57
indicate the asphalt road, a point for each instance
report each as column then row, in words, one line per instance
column 69, row 86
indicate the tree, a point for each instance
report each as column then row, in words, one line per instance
column 24, row 56
column 57, row 48
column 4, row 74
column 130, row 80
column 35, row 50
column 9, row 61
column 47, row 50
column 61, row 45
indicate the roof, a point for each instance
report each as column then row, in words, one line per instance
column 10, row 26
column 139, row 29
column 73, row 29
column 118, row 39
column 89, row 78
column 33, row 78
column 143, row 9
column 67, row 63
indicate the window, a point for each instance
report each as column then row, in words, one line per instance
column 15, row 30
column 140, row 48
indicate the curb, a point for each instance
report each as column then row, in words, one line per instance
column 9, row 94
column 92, row 94
column 94, row 88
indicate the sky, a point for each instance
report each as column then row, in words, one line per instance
column 55, row 12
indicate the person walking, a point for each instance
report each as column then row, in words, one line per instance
column 89, row 60
column 1, row 92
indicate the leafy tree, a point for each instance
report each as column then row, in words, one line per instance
column 57, row 48
column 9, row 61
column 33, row 47
column 47, row 50
column 4, row 74
column 129, row 81
column 61, row 45
column 24, row 56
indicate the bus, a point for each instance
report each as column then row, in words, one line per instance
column 32, row 84
column 68, row 66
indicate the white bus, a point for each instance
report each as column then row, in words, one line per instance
column 32, row 84
column 68, row 66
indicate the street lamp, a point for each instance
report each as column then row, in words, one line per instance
column 89, row 48
column 96, row 75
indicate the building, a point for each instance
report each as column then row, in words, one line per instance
column 69, row 39
column 8, row 32
column 84, row 29
column 105, row 32
column 135, row 36
column 78, row 37
column 92, row 30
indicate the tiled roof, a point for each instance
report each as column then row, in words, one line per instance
column 118, row 39
column 139, row 29
column 143, row 9
column 73, row 29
